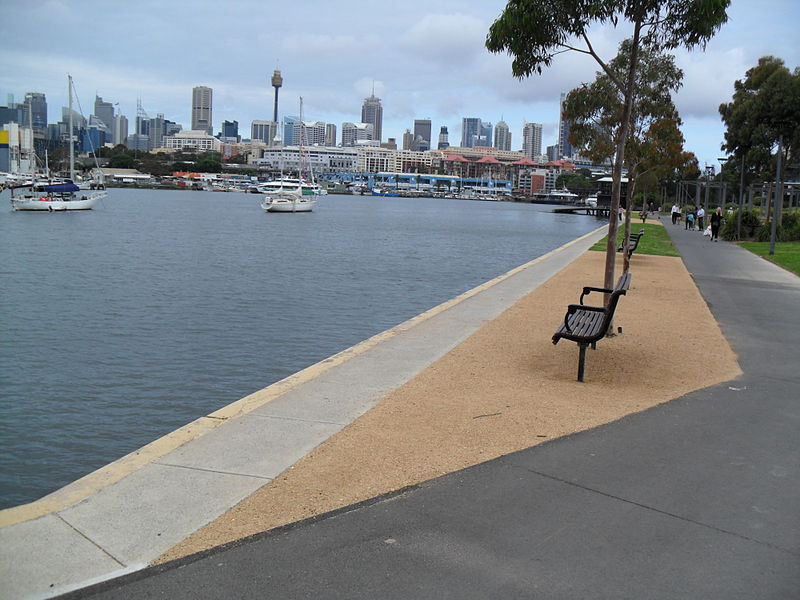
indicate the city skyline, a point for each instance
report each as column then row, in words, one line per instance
column 422, row 62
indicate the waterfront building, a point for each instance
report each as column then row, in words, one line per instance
column 471, row 129
column 330, row 134
column 193, row 141
column 564, row 147
column 372, row 112
column 16, row 145
column 202, row 98
column 532, row 139
column 443, row 141
column 354, row 132
column 323, row 160
column 422, row 131
column 502, row 136
column 264, row 131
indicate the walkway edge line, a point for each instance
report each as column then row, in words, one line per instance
column 115, row 471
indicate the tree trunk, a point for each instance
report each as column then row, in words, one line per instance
column 619, row 159
column 626, row 261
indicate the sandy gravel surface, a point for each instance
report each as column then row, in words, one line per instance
column 504, row 389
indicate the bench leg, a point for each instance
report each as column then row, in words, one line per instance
column 581, row 360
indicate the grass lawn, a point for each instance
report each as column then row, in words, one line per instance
column 655, row 240
column 787, row 254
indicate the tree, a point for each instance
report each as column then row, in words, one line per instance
column 122, row 161
column 655, row 144
column 764, row 108
column 534, row 31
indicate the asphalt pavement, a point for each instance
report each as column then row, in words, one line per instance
column 695, row 498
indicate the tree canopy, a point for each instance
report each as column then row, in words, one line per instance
column 533, row 32
column 765, row 106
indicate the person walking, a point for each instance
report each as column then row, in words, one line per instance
column 690, row 220
column 701, row 213
column 716, row 223
column 676, row 213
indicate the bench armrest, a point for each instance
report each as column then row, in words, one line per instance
column 587, row 289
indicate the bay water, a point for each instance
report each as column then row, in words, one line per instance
column 121, row 324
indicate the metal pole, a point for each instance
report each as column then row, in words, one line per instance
column 778, row 208
column 741, row 195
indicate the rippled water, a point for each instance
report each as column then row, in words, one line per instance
column 124, row 323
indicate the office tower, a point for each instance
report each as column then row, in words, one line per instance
column 532, row 139
column 156, row 131
column 230, row 130
column 372, row 112
column 552, row 153
column 277, row 82
column 201, row 109
column 389, row 144
column 486, row 135
column 470, row 131
column 422, row 134
column 263, row 131
column 288, row 131
column 502, row 136
column 36, row 103
column 171, row 127
column 104, row 111
column 443, row 141
column 408, row 139
column 564, row 147
column 353, row 132
column 330, row 134
column 120, row 133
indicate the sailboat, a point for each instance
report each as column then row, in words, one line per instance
column 288, row 195
column 52, row 195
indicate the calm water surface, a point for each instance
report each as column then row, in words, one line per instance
column 124, row 323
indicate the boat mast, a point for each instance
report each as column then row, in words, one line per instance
column 71, row 143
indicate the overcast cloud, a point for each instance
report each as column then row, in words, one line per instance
column 425, row 60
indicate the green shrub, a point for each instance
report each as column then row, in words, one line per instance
column 787, row 231
column 750, row 225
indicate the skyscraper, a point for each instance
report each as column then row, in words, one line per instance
column 564, row 147
column 104, row 111
column 201, row 109
column 263, row 131
column 353, row 132
column 36, row 103
column 502, row 136
column 422, row 134
column 470, row 131
column 532, row 139
column 330, row 134
column 486, row 135
column 443, row 141
column 372, row 112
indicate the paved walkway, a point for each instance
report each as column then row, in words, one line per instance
column 144, row 504
column 695, row 498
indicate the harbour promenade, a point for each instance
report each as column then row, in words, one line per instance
column 683, row 482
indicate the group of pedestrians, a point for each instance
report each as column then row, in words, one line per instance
column 697, row 218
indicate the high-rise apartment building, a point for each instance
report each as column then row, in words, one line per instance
column 201, row 109
column 330, row 134
column 309, row 133
column 564, row 147
column 372, row 112
column 422, row 135
column 532, row 139
column 502, row 136
column 354, row 132
column 443, row 141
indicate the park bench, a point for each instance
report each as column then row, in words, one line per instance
column 633, row 242
column 587, row 325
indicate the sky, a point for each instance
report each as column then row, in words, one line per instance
column 425, row 60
